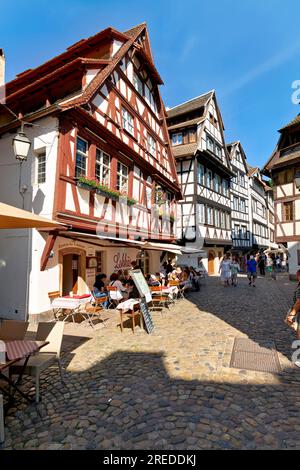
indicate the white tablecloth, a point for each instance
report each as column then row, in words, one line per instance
column 69, row 303
column 127, row 305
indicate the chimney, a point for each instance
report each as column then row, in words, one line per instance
column 2, row 67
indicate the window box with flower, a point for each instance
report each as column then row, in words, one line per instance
column 101, row 189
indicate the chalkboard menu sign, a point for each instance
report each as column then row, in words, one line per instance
column 141, row 284
column 147, row 316
column 146, row 297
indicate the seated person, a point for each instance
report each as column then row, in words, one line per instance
column 99, row 289
column 121, row 290
column 153, row 281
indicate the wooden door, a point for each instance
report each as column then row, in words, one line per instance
column 71, row 267
column 211, row 263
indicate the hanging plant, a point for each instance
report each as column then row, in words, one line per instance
column 101, row 189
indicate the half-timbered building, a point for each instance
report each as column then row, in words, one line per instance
column 100, row 163
column 240, row 219
column 283, row 167
column 258, row 209
column 204, row 170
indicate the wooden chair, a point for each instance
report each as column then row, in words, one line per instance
column 132, row 314
column 56, row 312
column 95, row 310
column 49, row 355
column 11, row 330
column 159, row 298
column 174, row 283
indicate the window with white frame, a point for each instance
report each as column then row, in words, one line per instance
column 225, row 187
column 151, row 145
column 201, row 209
column 209, row 178
column 81, row 157
column 201, row 173
column 102, row 170
column 217, row 183
column 235, row 203
column 218, row 151
column 228, row 225
column 217, row 218
column 127, row 121
column 209, row 211
column 209, row 143
column 222, row 219
column 41, row 168
column 177, row 139
column 236, row 231
column 138, row 84
column 242, row 180
column 122, row 178
column 243, row 205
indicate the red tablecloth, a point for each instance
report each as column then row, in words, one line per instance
column 21, row 349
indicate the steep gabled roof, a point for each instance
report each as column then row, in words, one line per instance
column 231, row 147
column 190, row 105
column 292, row 123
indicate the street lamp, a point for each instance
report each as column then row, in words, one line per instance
column 21, row 145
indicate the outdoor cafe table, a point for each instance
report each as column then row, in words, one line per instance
column 129, row 307
column 71, row 305
column 16, row 351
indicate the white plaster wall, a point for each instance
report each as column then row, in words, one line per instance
column 17, row 258
column 15, row 264
column 293, row 247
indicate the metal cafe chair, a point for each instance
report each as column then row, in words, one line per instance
column 52, row 332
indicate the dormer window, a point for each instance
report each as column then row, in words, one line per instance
column 177, row 139
column 144, row 87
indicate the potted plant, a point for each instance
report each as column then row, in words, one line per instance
column 85, row 183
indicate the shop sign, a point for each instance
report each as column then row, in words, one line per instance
column 122, row 261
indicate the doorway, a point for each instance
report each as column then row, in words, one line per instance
column 71, row 272
column 211, row 262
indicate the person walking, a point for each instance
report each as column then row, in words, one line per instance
column 225, row 270
column 251, row 270
column 261, row 265
column 234, row 269
column 293, row 317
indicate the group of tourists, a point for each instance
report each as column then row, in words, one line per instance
column 270, row 264
column 229, row 268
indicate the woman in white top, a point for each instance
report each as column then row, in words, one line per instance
column 225, row 270
column 122, row 292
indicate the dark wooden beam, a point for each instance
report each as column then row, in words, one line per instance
column 47, row 249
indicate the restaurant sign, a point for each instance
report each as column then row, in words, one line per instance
column 122, row 261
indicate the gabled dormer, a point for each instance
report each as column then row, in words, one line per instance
column 237, row 156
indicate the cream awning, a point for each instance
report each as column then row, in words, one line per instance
column 13, row 218
column 163, row 247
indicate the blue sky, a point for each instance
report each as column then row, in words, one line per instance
column 247, row 50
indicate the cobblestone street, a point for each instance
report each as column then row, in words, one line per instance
column 173, row 389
